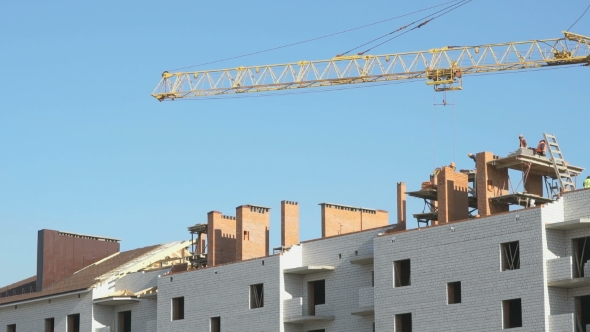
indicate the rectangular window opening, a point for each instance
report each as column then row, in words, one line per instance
column 317, row 294
column 403, row 322
column 581, row 255
column 73, row 323
column 11, row 328
column 50, row 324
column 215, row 324
column 320, row 330
column 178, row 308
column 256, row 296
column 401, row 273
column 511, row 313
column 246, row 235
column 582, row 313
column 510, row 252
column 454, row 292
column 125, row 321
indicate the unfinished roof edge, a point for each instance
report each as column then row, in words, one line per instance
column 348, row 207
column 87, row 236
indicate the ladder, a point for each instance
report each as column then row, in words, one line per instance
column 563, row 174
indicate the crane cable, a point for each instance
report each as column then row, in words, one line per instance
column 584, row 13
column 312, row 39
column 462, row 2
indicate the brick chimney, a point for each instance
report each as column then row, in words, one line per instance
column 289, row 223
column 252, row 232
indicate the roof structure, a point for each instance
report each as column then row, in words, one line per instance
column 81, row 280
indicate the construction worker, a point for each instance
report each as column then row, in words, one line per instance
column 522, row 141
column 472, row 156
column 587, row 182
column 541, row 148
column 452, row 166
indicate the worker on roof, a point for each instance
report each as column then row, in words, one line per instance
column 541, row 148
column 472, row 156
column 587, row 182
column 522, row 141
column 452, row 166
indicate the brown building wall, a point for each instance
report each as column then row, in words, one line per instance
column 339, row 219
column 60, row 254
column 491, row 182
column 401, row 206
column 453, row 200
column 289, row 223
column 221, row 235
column 252, row 232
column 534, row 184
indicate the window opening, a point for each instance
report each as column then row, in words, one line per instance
column 583, row 313
column 317, row 294
column 246, row 235
column 49, row 324
column 403, row 323
column 512, row 313
column 11, row 328
column 581, row 255
column 321, row 330
column 125, row 321
column 454, row 292
column 372, row 278
column 178, row 308
column 74, row 323
column 402, row 273
column 215, row 324
column 256, row 296
column 510, row 255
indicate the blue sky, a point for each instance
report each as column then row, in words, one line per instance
column 85, row 148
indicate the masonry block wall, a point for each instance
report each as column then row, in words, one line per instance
column 61, row 254
column 223, row 291
column 252, row 232
column 491, row 182
column 289, row 223
column 469, row 252
column 534, row 184
column 346, row 286
column 221, row 234
column 401, row 206
column 341, row 219
column 453, row 200
column 31, row 316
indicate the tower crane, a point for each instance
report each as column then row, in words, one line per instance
column 443, row 68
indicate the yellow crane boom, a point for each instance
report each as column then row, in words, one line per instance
column 443, row 68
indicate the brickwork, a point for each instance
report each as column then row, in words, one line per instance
column 221, row 235
column 534, row 184
column 252, row 232
column 61, row 254
column 401, row 206
column 491, row 182
column 452, row 189
column 468, row 252
column 289, row 223
column 341, row 219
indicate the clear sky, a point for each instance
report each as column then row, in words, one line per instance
column 85, row 148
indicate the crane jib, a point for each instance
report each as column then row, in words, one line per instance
column 443, row 68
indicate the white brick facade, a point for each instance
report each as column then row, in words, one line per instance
column 468, row 251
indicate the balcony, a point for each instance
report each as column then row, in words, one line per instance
column 309, row 269
column 362, row 260
column 293, row 312
column 560, row 274
column 366, row 306
column 569, row 225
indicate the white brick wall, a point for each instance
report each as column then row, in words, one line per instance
column 470, row 254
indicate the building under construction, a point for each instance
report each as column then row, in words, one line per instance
column 488, row 255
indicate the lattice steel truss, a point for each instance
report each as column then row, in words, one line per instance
column 443, row 68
